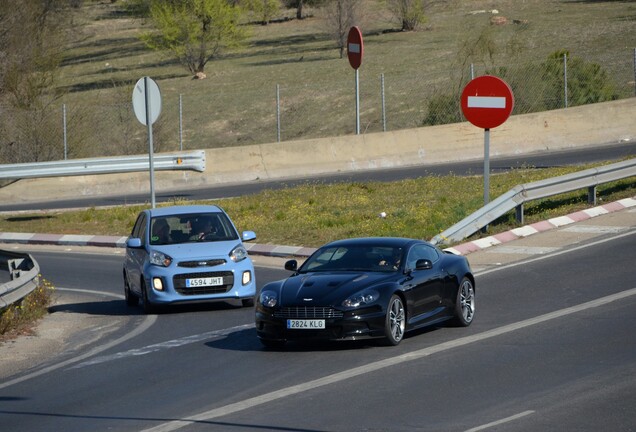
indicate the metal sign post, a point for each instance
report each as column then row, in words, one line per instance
column 355, row 50
column 487, row 102
column 147, row 106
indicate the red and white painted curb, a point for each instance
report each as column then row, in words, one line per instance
column 300, row 251
column 527, row 230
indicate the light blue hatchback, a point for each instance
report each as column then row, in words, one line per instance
column 187, row 254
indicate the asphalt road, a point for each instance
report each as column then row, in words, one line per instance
column 538, row 160
column 551, row 348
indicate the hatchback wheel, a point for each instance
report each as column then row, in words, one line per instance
column 131, row 299
column 149, row 308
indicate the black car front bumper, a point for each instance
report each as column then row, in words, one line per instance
column 355, row 324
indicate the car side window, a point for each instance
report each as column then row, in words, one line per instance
column 419, row 252
column 139, row 230
column 137, row 226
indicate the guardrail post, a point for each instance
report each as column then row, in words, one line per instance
column 591, row 195
column 519, row 213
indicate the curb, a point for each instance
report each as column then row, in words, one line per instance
column 300, row 251
column 527, row 230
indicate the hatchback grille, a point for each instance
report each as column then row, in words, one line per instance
column 300, row 312
column 202, row 263
column 179, row 282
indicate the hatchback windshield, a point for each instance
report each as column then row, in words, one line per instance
column 188, row 228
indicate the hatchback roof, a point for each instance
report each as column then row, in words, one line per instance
column 184, row 209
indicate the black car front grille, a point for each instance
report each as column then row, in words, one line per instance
column 179, row 282
column 307, row 312
column 202, row 263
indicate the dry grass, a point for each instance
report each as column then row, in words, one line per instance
column 316, row 213
column 18, row 319
column 235, row 105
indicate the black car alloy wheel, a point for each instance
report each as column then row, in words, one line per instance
column 465, row 303
column 395, row 321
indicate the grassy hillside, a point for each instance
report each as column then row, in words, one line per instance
column 236, row 104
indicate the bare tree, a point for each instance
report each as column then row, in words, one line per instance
column 32, row 40
column 340, row 16
column 410, row 13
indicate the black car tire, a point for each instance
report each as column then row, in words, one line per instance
column 465, row 303
column 131, row 299
column 395, row 321
column 149, row 308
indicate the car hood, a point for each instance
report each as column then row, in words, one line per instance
column 327, row 288
column 198, row 250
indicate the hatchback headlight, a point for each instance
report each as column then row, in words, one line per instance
column 160, row 259
column 269, row 299
column 361, row 299
column 238, row 254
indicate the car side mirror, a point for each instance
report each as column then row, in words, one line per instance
column 134, row 243
column 423, row 264
column 248, row 235
column 291, row 265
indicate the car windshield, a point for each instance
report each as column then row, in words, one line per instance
column 354, row 258
column 191, row 228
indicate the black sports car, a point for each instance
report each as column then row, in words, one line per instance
column 366, row 287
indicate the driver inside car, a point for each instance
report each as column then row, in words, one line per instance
column 201, row 228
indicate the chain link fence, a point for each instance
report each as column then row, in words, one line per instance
column 248, row 114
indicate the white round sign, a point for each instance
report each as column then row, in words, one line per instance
column 139, row 100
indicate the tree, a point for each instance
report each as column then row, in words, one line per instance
column 410, row 13
column 195, row 31
column 586, row 82
column 264, row 10
column 340, row 16
column 32, row 40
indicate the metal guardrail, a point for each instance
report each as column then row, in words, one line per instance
column 194, row 161
column 23, row 274
column 517, row 196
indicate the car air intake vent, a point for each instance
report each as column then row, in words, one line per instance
column 302, row 312
column 202, row 263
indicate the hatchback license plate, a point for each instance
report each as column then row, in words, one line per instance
column 199, row 282
column 305, row 324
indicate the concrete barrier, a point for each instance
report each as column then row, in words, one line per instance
column 597, row 124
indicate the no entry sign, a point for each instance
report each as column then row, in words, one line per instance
column 355, row 48
column 487, row 101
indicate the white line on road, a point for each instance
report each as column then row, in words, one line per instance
column 391, row 361
column 500, row 422
column 164, row 345
column 148, row 321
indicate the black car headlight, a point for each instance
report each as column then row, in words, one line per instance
column 363, row 298
column 159, row 259
column 239, row 253
column 268, row 299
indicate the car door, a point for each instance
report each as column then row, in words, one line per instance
column 424, row 292
column 135, row 257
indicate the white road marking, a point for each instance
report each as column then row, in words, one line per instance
column 594, row 229
column 525, row 250
column 381, row 364
column 500, row 422
column 149, row 321
column 164, row 345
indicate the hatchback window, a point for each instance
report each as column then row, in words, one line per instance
column 191, row 228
